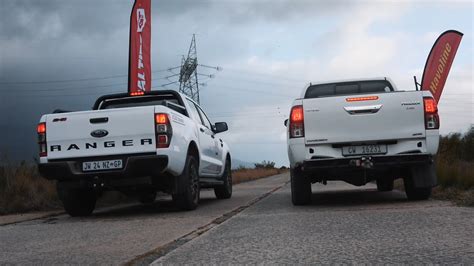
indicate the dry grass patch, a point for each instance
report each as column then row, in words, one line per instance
column 244, row 175
column 461, row 197
column 22, row 189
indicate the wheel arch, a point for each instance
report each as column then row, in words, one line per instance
column 193, row 150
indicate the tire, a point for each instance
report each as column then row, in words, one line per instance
column 77, row 201
column 415, row 193
column 225, row 191
column 300, row 188
column 384, row 185
column 147, row 197
column 188, row 189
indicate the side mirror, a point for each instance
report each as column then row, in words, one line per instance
column 220, row 127
column 286, row 122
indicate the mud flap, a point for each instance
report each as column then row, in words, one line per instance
column 424, row 176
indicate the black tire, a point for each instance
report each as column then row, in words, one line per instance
column 225, row 191
column 415, row 193
column 384, row 185
column 77, row 202
column 147, row 197
column 188, row 189
column 300, row 188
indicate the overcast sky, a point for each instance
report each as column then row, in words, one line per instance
column 268, row 51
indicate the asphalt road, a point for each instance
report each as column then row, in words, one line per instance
column 344, row 224
column 126, row 234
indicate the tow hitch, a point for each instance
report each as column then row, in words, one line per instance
column 364, row 162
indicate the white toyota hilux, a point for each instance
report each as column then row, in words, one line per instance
column 158, row 141
column 359, row 131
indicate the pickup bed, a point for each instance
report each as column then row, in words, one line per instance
column 360, row 131
column 158, row 141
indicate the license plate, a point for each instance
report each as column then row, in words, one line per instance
column 364, row 150
column 101, row 165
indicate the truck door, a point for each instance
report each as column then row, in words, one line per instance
column 217, row 149
column 206, row 143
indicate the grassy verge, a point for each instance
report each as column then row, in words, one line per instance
column 22, row 189
column 244, row 175
column 455, row 169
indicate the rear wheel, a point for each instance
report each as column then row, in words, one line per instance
column 300, row 188
column 225, row 191
column 188, row 189
column 415, row 193
column 384, row 185
column 77, row 201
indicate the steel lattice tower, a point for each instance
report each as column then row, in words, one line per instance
column 188, row 76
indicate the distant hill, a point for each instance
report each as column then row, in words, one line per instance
column 236, row 163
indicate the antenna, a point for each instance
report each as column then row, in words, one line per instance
column 417, row 85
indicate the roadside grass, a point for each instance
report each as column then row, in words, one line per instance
column 244, row 175
column 22, row 189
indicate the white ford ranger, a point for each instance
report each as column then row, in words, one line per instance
column 159, row 141
column 359, row 131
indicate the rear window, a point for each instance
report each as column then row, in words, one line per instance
column 135, row 102
column 147, row 100
column 348, row 88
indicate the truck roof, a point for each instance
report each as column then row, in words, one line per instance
column 307, row 85
column 127, row 95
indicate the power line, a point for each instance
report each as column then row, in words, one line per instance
column 74, row 80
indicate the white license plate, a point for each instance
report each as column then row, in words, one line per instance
column 101, row 165
column 364, row 150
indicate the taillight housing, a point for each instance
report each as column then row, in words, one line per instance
column 163, row 130
column 431, row 113
column 43, row 148
column 296, row 126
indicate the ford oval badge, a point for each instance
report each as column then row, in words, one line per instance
column 99, row 133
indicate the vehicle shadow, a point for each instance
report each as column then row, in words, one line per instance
column 163, row 205
column 362, row 197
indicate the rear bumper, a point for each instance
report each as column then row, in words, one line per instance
column 134, row 166
column 367, row 162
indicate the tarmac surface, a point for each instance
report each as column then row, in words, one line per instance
column 344, row 224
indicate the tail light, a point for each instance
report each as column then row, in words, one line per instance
column 163, row 130
column 431, row 113
column 41, row 130
column 296, row 122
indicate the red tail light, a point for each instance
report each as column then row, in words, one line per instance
column 361, row 99
column 296, row 126
column 163, row 131
column 43, row 148
column 431, row 113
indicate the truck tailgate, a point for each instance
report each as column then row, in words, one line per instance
column 346, row 119
column 70, row 135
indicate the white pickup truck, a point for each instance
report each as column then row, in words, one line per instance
column 360, row 131
column 159, row 141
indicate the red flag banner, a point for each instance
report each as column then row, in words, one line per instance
column 439, row 62
column 139, row 76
